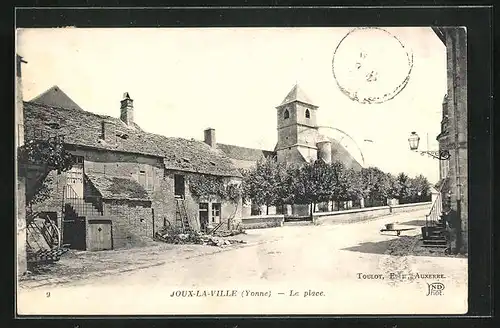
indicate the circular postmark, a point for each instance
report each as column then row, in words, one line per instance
column 371, row 65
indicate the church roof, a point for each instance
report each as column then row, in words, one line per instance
column 244, row 153
column 296, row 94
column 340, row 154
column 55, row 97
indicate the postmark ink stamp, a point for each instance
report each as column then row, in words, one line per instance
column 371, row 66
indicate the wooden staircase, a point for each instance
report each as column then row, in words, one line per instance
column 181, row 217
column 76, row 206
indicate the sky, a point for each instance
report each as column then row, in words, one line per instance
column 184, row 80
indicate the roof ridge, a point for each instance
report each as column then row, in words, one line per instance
column 68, row 109
column 245, row 147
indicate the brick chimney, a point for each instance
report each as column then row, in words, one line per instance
column 127, row 109
column 210, row 137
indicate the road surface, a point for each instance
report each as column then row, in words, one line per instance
column 327, row 269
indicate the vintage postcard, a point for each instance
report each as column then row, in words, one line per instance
column 251, row 171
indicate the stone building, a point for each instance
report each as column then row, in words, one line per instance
column 453, row 136
column 126, row 183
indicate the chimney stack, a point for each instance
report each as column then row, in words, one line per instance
column 210, row 137
column 127, row 109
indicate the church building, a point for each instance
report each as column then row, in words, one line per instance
column 298, row 141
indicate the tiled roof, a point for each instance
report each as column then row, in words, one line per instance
column 118, row 187
column 82, row 128
column 244, row 153
column 55, row 97
column 296, row 94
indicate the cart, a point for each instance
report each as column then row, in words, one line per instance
column 390, row 227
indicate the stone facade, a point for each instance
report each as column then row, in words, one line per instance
column 132, row 219
column 457, row 90
column 454, row 129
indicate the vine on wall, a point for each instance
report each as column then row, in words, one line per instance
column 209, row 187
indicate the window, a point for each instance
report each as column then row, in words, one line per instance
column 287, row 114
column 142, row 178
column 216, row 212
column 179, row 186
column 308, row 114
column 78, row 159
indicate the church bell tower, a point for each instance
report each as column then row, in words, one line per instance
column 297, row 128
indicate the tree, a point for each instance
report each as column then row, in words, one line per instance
column 47, row 155
column 261, row 184
column 375, row 185
column 420, row 189
column 354, row 184
column 318, row 182
column 404, row 184
column 393, row 186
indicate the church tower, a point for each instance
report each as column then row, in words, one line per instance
column 297, row 128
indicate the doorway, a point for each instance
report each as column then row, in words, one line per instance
column 216, row 213
column 203, row 214
column 74, row 232
column 75, row 177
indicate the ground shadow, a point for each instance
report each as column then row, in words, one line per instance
column 371, row 248
column 419, row 223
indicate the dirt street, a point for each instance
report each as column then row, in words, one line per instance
column 327, row 269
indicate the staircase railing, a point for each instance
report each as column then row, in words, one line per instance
column 79, row 205
column 434, row 215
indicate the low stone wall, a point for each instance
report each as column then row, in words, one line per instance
column 362, row 214
column 350, row 215
column 411, row 207
column 262, row 221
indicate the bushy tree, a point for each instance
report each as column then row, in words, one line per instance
column 276, row 184
column 375, row 185
column 420, row 189
column 48, row 155
column 393, row 186
column 261, row 184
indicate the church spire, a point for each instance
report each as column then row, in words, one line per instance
column 297, row 94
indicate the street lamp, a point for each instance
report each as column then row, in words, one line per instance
column 414, row 139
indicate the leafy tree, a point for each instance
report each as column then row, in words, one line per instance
column 261, row 184
column 354, row 182
column 375, row 185
column 313, row 183
column 420, row 189
column 404, row 184
column 48, row 155
column 284, row 185
column 394, row 186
